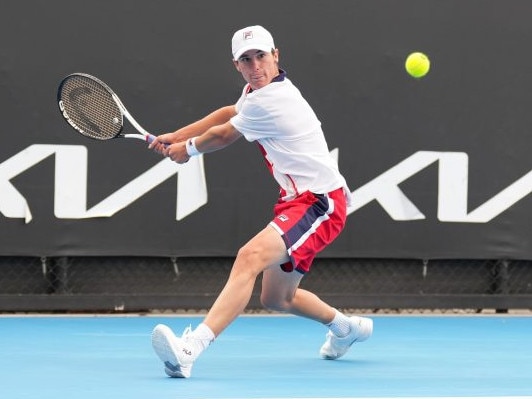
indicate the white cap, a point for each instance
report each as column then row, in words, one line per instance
column 251, row 38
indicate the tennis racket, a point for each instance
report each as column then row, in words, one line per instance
column 94, row 110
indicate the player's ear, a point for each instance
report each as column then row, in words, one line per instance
column 275, row 53
column 237, row 65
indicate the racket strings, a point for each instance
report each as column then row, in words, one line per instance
column 90, row 108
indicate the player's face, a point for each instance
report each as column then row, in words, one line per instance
column 258, row 67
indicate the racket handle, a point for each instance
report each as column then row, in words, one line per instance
column 150, row 138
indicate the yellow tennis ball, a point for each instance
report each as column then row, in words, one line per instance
column 417, row 64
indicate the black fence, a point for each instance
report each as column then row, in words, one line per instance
column 87, row 284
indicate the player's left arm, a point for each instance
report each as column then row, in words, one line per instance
column 216, row 138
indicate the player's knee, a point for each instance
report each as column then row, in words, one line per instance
column 251, row 257
column 274, row 303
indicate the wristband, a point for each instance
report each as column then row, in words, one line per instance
column 191, row 147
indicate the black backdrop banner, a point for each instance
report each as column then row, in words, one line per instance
column 440, row 167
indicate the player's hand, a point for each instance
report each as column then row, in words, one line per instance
column 161, row 142
column 177, row 152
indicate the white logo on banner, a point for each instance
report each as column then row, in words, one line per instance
column 70, row 197
column 70, row 194
column 452, row 190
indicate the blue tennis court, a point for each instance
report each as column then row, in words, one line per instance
column 272, row 357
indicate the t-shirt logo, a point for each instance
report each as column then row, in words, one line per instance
column 282, row 218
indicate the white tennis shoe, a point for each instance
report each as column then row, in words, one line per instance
column 176, row 353
column 335, row 347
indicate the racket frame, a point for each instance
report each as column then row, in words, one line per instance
column 142, row 133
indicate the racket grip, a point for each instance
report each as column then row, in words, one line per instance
column 150, row 138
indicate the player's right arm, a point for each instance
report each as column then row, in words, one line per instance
column 218, row 117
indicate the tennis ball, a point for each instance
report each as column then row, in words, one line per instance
column 417, row 64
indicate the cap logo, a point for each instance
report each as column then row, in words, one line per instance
column 248, row 35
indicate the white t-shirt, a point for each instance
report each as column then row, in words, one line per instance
column 281, row 121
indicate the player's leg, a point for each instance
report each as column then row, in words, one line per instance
column 307, row 227
column 178, row 353
column 265, row 249
column 281, row 292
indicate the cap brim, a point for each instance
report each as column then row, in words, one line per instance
column 261, row 47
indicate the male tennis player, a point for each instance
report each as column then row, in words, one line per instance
column 310, row 212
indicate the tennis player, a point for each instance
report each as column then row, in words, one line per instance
column 309, row 214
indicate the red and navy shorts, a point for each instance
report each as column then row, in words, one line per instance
column 307, row 224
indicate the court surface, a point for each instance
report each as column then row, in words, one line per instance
column 273, row 357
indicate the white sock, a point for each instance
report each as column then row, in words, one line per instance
column 341, row 324
column 203, row 336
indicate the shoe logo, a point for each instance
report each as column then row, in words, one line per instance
column 187, row 352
